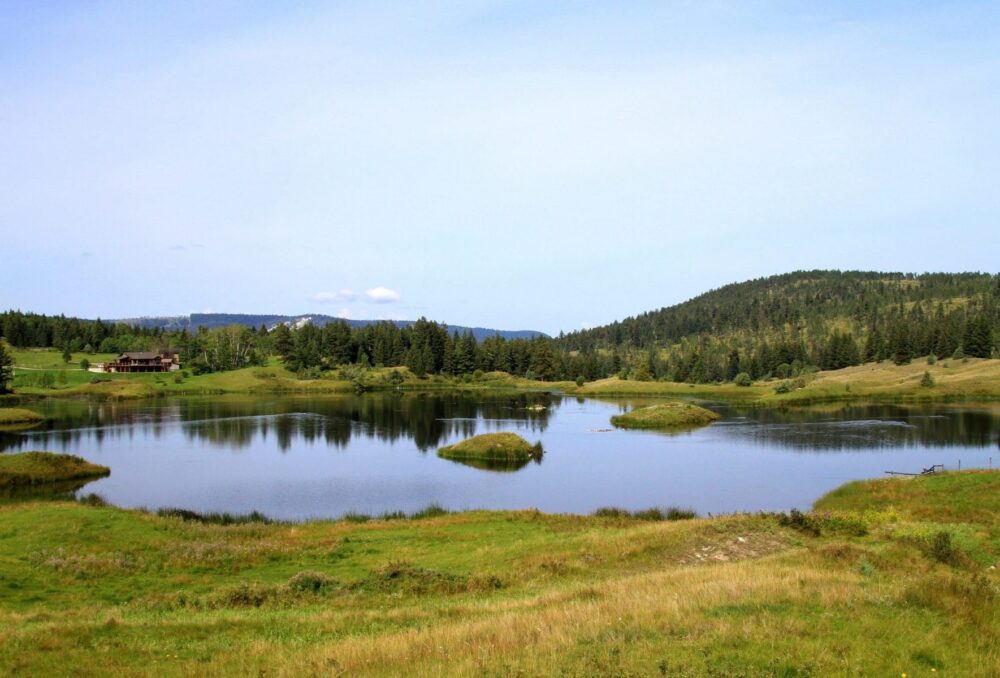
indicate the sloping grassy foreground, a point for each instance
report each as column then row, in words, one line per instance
column 868, row 586
column 670, row 415
column 38, row 468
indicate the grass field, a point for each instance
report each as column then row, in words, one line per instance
column 889, row 577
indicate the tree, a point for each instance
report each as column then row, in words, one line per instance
column 977, row 340
column 66, row 355
column 927, row 380
column 283, row 343
column 6, row 369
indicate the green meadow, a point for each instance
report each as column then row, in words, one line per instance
column 885, row 577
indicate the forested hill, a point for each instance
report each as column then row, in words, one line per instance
column 215, row 320
column 826, row 318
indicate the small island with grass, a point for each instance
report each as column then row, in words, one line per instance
column 665, row 416
column 40, row 468
column 16, row 416
column 493, row 447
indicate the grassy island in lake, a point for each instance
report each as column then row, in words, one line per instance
column 12, row 416
column 670, row 415
column 493, row 447
column 37, row 468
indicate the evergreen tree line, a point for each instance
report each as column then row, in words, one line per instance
column 778, row 327
column 427, row 347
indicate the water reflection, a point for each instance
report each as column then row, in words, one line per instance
column 862, row 427
column 237, row 423
column 496, row 465
column 297, row 457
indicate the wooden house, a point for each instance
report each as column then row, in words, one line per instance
column 164, row 360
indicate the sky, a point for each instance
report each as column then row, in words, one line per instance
column 517, row 165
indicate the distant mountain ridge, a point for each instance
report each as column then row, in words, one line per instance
column 213, row 320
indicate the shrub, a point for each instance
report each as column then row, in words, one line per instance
column 783, row 387
column 430, row 511
column 84, row 364
column 93, row 499
column 743, row 379
column 352, row 517
column 942, row 549
column 309, row 373
column 311, row 581
column 931, row 359
column 676, row 513
column 927, row 380
column 580, row 381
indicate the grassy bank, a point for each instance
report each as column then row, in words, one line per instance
column 39, row 468
column 665, row 416
column 867, row 586
column 953, row 380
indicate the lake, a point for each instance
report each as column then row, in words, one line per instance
column 296, row 458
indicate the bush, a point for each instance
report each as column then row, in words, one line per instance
column 783, row 371
column 84, row 364
column 580, row 381
column 430, row 511
column 310, row 581
column 743, row 379
column 943, row 550
column 931, row 359
column 927, row 380
column 783, row 387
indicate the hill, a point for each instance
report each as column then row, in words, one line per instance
column 215, row 320
column 830, row 319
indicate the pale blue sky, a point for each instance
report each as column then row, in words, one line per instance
column 507, row 164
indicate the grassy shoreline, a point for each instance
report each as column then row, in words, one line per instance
column 954, row 381
column 866, row 584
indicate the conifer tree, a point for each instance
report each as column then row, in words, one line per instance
column 6, row 369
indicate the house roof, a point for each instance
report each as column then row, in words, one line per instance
column 140, row 355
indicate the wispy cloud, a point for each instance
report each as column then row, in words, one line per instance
column 340, row 296
column 382, row 295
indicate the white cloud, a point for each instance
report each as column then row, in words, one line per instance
column 382, row 295
column 334, row 297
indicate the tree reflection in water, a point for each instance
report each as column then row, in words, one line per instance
column 427, row 419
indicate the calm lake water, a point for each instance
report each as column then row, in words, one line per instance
column 297, row 458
